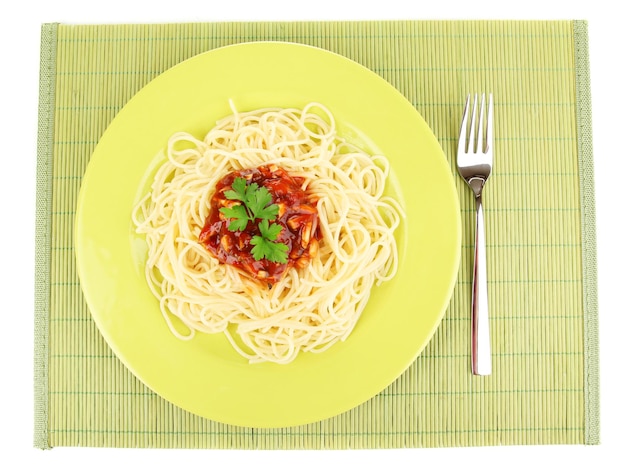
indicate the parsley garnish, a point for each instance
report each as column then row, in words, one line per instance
column 255, row 205
column 265, row 248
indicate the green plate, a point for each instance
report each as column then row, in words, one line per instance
column 206, row 376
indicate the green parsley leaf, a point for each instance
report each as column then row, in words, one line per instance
column 258, row 202
column 265, row 248
column 239, row 217
column 269, row 232
column 261, row 248
column 272, row 251
column 239, row 190
column 251, row 189
column 269, row 212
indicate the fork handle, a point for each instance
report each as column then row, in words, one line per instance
column 481, row 348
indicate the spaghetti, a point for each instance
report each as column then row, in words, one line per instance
column 307, row 309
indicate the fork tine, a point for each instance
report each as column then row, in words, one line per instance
column 471, row 147
column 480, row 145
column 489, row 137
column 462, row 146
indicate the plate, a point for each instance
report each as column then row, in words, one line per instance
column 206, row 376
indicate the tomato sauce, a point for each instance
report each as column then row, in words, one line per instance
column 297, row 216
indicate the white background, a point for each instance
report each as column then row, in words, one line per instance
column 19, row 78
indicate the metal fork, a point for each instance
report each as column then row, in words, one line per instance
column 474, row 163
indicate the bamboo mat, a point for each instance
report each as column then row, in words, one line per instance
column 540, row 238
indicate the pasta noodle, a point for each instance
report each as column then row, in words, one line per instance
column 308, row 309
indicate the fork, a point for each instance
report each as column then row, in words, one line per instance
column 474, row 163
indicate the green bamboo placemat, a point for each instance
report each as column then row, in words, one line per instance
column 540, row 238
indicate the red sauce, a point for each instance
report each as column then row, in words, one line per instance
column 297, row 215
